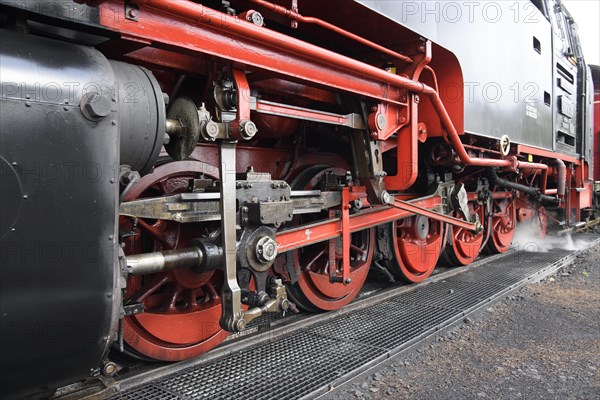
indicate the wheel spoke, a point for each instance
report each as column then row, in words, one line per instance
column 357, row 249
column 314, row 259
column 150, row 288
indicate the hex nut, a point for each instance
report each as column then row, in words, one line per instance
column 266, row 249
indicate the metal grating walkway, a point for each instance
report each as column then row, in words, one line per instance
column 307, row 362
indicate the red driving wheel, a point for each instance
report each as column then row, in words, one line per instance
column 181, row 308
column 463, row 245
column 417, row 242
column 319, row 266
column 503, row 224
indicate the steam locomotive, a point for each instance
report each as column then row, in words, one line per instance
column 171, row 170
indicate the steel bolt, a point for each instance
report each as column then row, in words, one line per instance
column 109, row 369
column 386, row 198
column 133, row 13
column 211, row 129
column 248, row 129
column 256, row 18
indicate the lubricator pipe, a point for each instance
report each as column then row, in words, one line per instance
column 531, row 191
column 202, row 15
column 460, row 149
column 324, row 24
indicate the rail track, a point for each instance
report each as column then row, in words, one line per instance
column 312, row 355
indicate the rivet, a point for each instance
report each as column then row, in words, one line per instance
column 111, row 237
column 13, row 230
column 25, row 197
column 114, row 122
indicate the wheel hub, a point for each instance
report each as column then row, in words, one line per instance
column 422, row 227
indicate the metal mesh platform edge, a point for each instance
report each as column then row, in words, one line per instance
column 311, row 361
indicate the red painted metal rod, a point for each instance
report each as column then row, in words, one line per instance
column 229, row 25
column 324, row 24
column 203, row 15
column 295, row 238
column 414, row 209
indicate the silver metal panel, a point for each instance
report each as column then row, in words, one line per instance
column 505, row 76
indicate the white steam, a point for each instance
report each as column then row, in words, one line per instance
column 527, row 238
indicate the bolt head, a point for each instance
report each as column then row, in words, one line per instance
column 256, row 18
column 109, row 369
column 381, row 121
column 211, row 129
column 240, row 325
column 386, row 198
column 95, row 106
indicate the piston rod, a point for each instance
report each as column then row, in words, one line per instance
column 160, row 261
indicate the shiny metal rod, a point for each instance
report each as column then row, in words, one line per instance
column 160, row 261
